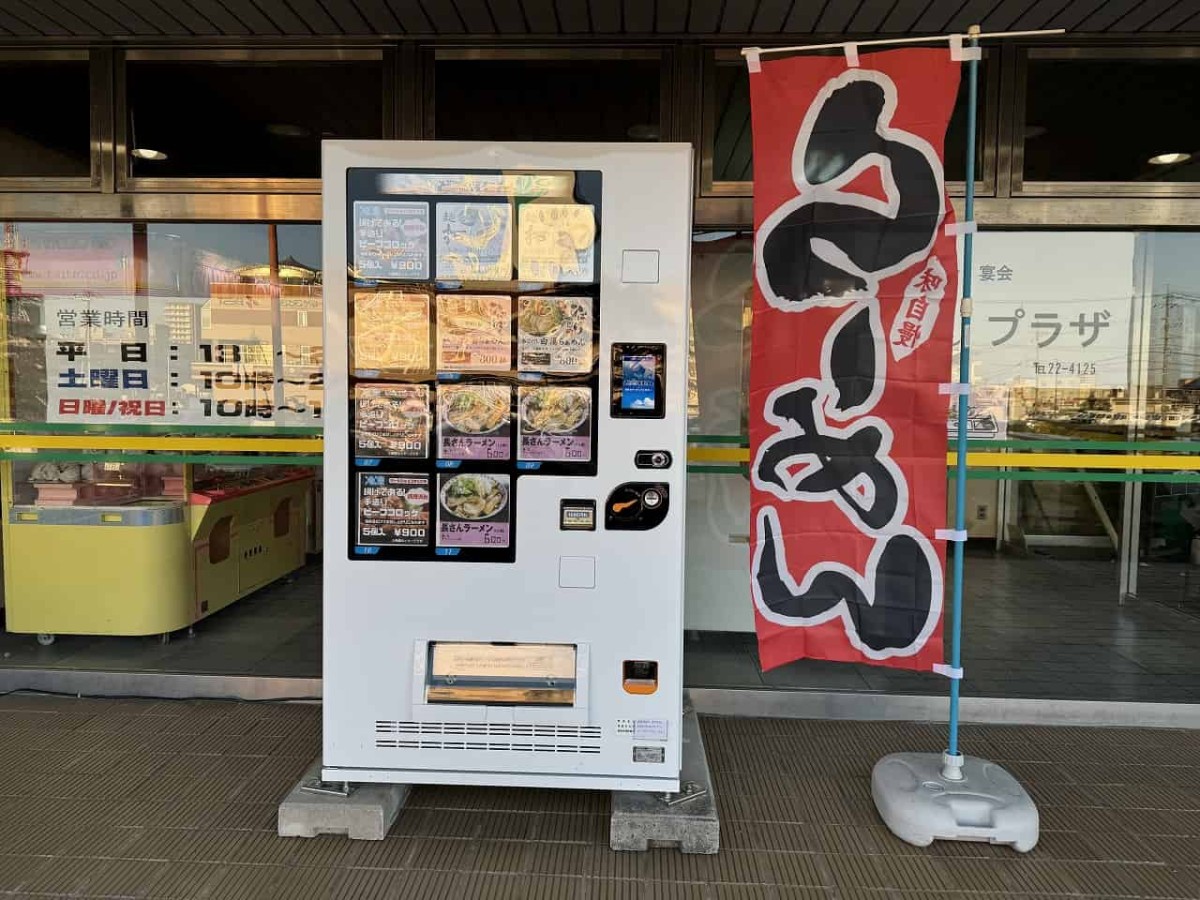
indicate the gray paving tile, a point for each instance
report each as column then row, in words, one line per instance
column 797, row 819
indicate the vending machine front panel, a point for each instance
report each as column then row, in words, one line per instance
column 506, row 403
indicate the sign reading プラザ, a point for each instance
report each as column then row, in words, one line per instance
column 124, row 359
column 856, row 281
column 1052, row 310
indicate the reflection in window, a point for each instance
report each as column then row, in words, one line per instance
column 1173, row 343
column 246, row 120
column 731, row 135
column 45, row 125
column 1051, row 341
column 1169, row 550
column 170, row 323
column 1070, row 133
column 722, row 265
column 540, row 100
column 731, row 125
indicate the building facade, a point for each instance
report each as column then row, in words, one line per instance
column 160, row 201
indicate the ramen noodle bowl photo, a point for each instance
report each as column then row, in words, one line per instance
column 474, row 421
column 474, row 497
column 474, row 332
column 555, row 410
column 474, row 511
column 555, row 424
column 476, row 410
column 554, row 334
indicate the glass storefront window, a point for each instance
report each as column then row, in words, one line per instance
column 47, row 484
column 1068, row 135
column 1172, row 338
column 175, row 324
column 1076, row 349
column 1054, row 327
column 727, row 126
column 533, row 99
column 46, row 131
column 217, row 118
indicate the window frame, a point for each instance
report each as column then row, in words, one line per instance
column 664, row 54
column 1131, row 189
column 127, row 182
column 99, row 125
column 714, row 56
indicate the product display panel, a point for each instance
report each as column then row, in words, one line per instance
column 504, row 456
column 473, row 353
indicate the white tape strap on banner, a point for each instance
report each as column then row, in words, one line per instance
column 959, row 53
column 956, row 388
column 949, row 671
column 956, row 228
column 753, row 60
column 949, row 534
column 851, row 55
column 967, row 307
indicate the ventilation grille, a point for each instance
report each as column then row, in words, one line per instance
column 520, row 738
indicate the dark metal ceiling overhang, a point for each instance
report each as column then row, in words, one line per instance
column 41, row 20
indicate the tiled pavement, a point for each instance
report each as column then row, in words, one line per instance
column 149, row 799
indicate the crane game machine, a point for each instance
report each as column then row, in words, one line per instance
column 506, row 390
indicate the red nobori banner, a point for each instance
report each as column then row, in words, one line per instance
column 854, row 309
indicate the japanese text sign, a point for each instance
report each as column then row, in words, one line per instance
column 183, row 361
column 1052, row 311
column 856, row 281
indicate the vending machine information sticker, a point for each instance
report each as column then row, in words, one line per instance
column 555, row 423
column 391, row 240
column 557, row 243
column 474, row 510
column 474, row 241
column 391, row 420
column 474, row 332
column 554, row 334
column 393, row 509
column 474, row 421
column 391, row 332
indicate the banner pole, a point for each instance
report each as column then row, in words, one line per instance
column 953, row 766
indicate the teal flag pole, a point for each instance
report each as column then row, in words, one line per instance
column 964, row 379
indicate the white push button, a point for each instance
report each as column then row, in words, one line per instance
column 577, row 571
column 639, row 266
column 652, row 498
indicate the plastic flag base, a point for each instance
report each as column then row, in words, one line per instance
column 921, row 800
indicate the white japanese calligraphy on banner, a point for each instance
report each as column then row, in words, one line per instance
column 183, row 361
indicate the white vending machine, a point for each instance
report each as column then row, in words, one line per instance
column 505, row 453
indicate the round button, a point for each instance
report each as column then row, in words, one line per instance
column 652, row 498
column 658, row 459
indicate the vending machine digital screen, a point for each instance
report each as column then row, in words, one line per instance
column 638, row 371
column 506, row 428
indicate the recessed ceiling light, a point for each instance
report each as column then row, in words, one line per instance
column 144, row 153
column 1169, row 159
